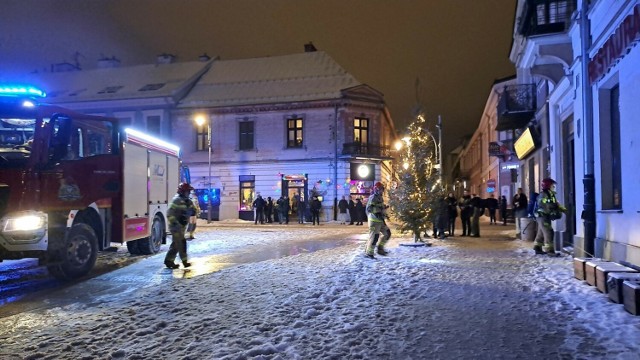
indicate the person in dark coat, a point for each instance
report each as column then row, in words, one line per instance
column 359, row 212
column 316, row 206
column 466, row 210
column 478, row 209
column 343, row 206
column 441, row 218
column 352, row 211
column 503, row 210
column 259, row 205
column 492, row 204
column 268, row 210
column 452, row 211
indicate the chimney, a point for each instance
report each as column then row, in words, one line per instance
column 309, row 47
column 204, row 57
column 107, row 63
column 165, row 59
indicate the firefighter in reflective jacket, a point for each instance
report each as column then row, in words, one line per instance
column 375, row 213
column 178, row 217
column 547, row 210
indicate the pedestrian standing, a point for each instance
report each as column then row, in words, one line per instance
column 452, row 207
column 178, row 218
column 193, row 215
column 268, row 210
column 478, row 209
column 503, row 210
column 520, row 203
column 352, row 211
column 359, row 211
column 376, row 220
column 548, row 209
column 258, row 205
column 316, row 206
column 466, row 210
column 343, row 205
column 492, row 205
column 442, row 218
column 276, row 212
column 302, row 209
column 284, row 208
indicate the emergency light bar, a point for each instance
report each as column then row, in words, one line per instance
column 16, row 90
column 148, row 141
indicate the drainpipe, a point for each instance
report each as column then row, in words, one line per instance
column 335, row 162
column 589, row 182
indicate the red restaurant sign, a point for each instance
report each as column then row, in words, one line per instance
column 616, row 47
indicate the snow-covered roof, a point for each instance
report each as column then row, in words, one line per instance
column 299, row 77
column 133, row 82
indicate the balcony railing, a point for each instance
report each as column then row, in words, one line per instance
column 516, row 106
column 364, row 149
column 540, row 17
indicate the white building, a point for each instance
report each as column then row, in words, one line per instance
column 284, row 126
column 585, row 118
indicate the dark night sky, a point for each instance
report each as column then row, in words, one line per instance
column 457, row 48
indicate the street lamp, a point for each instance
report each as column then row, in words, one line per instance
column 200, row 121
column 438, row 146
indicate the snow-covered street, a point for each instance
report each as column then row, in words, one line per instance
column 462, row 298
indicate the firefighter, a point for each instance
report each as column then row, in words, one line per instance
column 547, row 210
column 195, row 212
column 178, row 216
column 375, row 212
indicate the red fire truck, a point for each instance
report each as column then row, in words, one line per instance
column 72, row 184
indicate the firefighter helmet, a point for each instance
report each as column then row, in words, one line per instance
column 547, row 183
column 184, row 188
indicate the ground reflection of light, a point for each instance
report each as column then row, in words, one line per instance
column 433, row 261
column 199, row 267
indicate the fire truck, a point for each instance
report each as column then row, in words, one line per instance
column 73, row 184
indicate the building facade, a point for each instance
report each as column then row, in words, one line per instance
column 486, row 165
column 289, row 126
column 582, row 59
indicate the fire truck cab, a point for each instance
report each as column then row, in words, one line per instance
column 72, row 184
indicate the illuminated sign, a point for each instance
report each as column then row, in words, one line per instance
column 617, row 46
column 360, row 171
column 525, row 144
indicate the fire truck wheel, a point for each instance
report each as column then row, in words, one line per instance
column 151, row 245
column 132, row 246
column 77, row 255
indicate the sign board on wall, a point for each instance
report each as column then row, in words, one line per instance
column 525, row 144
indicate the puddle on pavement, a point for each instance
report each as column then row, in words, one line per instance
column 201, row 265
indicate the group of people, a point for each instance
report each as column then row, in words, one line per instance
column 269, row 211
column 470, row 207
column 183, row 212
column 351, row 211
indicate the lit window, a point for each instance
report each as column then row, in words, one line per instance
column 294, row 133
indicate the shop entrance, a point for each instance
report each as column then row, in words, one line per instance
column 295, row 187
column 569, row 182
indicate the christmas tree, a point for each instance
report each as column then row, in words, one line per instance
column 414, row 198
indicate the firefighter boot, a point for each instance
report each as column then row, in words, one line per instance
column 538, row 250
column 382, row 251
column 185, row 264
column 171, row 264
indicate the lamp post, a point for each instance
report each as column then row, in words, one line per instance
column 200, row 121
column 438, row 146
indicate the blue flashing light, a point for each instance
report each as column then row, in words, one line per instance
column 17, row 90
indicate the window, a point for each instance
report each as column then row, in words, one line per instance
column 610, row 155
column 361, row 130
column 202, row 138
column 247, row 192
column 151, row 87
column 110, row 90
column 294, row 133
column 246, row 135
column 153, row 124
